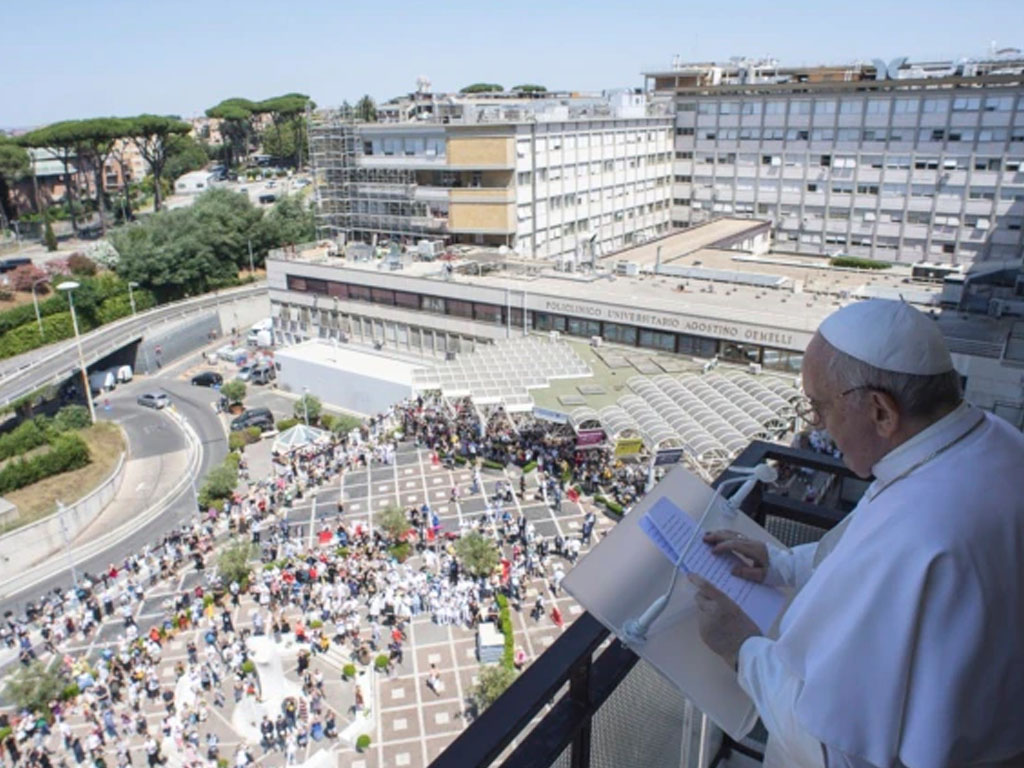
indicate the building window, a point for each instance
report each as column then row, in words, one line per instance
column 296, row 283
column 825, row 107
column 487, row 313
column 658, row 340
column 620, row 334
column 740, row 353
column 432, row 304
column 408, row 300
column 382, row 296
column 337, row 290
column 359, row 293
column 459, row 308
column 544, row 321
column 585, row 328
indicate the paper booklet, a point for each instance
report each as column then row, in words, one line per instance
column 632, row 566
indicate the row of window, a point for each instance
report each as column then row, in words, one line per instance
column 574, row 140
column 580, row 170
column 920, row 162
column 662, row 341
column 853, row 106
column 858, row 135
column 839, row 187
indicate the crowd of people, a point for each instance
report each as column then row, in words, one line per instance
column 341, row 586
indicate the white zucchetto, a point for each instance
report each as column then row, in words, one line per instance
column 890, row 335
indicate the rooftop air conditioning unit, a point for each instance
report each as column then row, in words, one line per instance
column 754, row 368
column 596, row 341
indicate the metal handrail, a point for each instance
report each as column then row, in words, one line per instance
column 570, row 659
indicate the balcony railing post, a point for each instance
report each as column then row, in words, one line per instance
column 579, row 692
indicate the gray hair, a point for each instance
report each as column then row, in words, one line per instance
column 917, row 396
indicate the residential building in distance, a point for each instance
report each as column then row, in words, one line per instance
column 899, row 161
column 565, row 178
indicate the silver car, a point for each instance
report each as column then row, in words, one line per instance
column 154, row 400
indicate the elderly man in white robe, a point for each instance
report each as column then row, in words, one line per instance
column 904, row 643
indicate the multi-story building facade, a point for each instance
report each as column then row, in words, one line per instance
column 897, row 161
column 553, row 181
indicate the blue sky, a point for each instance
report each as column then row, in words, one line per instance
column 75, row 59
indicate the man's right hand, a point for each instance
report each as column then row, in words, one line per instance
column 754, row 554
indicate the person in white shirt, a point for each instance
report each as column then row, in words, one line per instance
column 903, row 644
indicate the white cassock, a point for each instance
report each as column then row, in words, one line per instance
column 904, row 645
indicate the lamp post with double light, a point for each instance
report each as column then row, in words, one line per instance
column 131, row 296
column 35, row 303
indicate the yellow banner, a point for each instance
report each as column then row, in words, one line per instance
column 628, row 446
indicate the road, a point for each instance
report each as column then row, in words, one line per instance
column 25, row 373
column 149, row 433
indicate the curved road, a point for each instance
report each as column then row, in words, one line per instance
column 150, row 433
column 25, row 373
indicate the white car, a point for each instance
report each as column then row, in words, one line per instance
column 156, row 400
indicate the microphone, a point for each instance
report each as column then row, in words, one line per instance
column 634, row 630
column 762, row 473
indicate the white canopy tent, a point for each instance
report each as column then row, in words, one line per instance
column 299, row 436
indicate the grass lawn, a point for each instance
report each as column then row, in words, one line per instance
column 38, row 500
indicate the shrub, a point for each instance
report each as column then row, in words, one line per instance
column 253, row 434
column 68, row 452
column 21, row 278
column 49, row 238
column 492, row 464
column 35, row 686
column 23, row 438
column 343, row 424
column 233, row 390
column 381, row 662
column 207, row 600
column 70, row 691
column 855, row 262
column 529, row 467
column 508, row 656
column 401, row 551
column 394, row 521
column 492, row 682
column 220, row 481
column 461, row 460
column 478, row 555
column 80, row 264
column 72, row 417
column 307, row 404
column 237, row 441
column 234, row 561
column 363, row 742
column 327, row 421
column 248, row 667
column 349, row 671
column 284, row 424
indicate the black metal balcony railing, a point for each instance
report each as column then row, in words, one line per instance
column 565, row 734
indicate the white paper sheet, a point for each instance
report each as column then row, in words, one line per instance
column 671, row 530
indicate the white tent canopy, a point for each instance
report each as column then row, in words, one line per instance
column 299, row 436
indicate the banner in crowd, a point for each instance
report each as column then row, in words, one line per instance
column 546, row 414
column 668, row 456
column 628, row 446
column 588, row 438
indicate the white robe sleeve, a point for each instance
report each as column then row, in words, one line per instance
column 774, row 692
column 790, row 567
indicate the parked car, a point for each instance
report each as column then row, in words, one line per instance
column 207, row 379
column 253, row 417
column 244, row 373
column 262, row 374
column 156, row 400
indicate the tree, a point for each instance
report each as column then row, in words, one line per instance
column 49, row 238
column 530, row 88
column 184, row 154
column 35, row 686
column 492, row 681
column 482, row 88
column 234, row 562
column 394, row 522
column 289, row 221
column 287, row 114
column 233, row 390
column 366, row 109
column 235, row 117
column 308, row 405
column 97, row 137
column 62, row 140
column 478, row 555
column 14, row 164
column 220, row 483
column 152, row 135
column 80, row 264
column 122, row 158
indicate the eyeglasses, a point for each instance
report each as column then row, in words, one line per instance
column 809, row 410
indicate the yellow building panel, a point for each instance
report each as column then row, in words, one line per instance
column 481, row 152
column 480, row 217
column 483, row 195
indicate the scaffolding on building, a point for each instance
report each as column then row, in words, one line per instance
column 356, row 203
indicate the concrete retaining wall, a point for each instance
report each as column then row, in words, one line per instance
column 29, row 544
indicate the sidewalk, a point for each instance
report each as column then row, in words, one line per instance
column 145, row 482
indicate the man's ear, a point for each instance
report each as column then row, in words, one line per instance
column 885, row 413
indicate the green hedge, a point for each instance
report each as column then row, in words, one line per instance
column 284, row 424
column 461, row 460
column 237, row 441
column 68, row 451
column 363, row 742
column 610, row 504
column 23, row 438
column 72, row 417
column 401, row 551
column 508, row 657
column 529, row 467
column 856, row 262
column 492, row 464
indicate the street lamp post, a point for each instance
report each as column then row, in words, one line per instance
column 252, row 269
column 131, row 296
column 35, row 303
column 70, row 286
column 305, row 404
